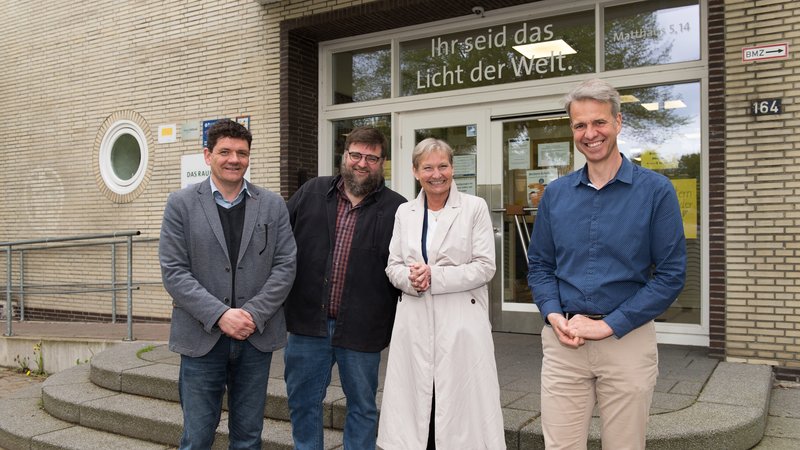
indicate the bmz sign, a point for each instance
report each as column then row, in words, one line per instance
column 761, row 52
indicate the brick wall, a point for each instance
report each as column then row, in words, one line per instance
column 762, row 180
column 716, row 176
column 67, row 68
column 64, row 69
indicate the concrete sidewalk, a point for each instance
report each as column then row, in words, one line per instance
column 699, row 401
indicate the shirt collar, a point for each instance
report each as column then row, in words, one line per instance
column 339, row 186
column 624, row 173
column 218, row 195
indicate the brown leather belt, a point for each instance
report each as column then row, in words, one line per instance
column 588, row 316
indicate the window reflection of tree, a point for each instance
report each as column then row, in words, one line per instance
column 635, row 52
column 689, row 166
column 362, row 75
column 642, row 41
column 372, row 75
column 657, row 126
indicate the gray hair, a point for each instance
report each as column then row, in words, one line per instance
column 597, row 90
column 428, row 146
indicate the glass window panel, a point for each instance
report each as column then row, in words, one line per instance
column 535, row 152
column 362, row 75
column 125, row 157
column 561, row 46
column 661, row 130
column 652, row 33
column 342, row 127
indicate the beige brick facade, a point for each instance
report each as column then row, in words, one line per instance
column 761, row 194
column 66, row 68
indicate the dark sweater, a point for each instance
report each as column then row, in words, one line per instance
column 232, row 225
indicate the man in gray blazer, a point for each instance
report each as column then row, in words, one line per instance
column 227, row 257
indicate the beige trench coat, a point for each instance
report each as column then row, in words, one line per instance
column 442, row 337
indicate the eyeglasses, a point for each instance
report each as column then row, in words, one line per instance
column 371, row 159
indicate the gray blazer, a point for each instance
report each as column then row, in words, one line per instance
column 196, row 270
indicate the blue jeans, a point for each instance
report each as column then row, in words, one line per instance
column 244, row 371
column 309, row 361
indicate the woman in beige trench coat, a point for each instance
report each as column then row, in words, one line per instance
column 441, row 357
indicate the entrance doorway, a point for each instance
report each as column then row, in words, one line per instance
column 508, row 152
column 508, row 162
column 532, row 151
column 482, row 150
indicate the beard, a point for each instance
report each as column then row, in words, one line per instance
column 359, row 188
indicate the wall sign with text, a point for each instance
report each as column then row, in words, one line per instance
column 762, row 52
column 652, row 33
column 766, row 107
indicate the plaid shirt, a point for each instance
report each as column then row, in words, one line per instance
column 346, row 217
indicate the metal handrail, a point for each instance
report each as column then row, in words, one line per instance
column 29, row 286
column 82, row 237
column 84, row 244
column 30, row 244
column 73, row 291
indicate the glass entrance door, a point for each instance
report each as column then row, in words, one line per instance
column 508, row 163
column 466, row 130
column 534, row 151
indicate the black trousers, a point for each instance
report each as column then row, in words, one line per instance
column 431, row 431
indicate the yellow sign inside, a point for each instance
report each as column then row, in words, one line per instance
column 652, row 161
column 686, row 189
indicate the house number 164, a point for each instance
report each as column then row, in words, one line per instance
column 765, row 107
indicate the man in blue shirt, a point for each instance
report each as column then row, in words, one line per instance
column 607, row 257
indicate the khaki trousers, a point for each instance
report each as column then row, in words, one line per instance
column 619, row 374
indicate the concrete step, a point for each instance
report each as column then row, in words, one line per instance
column 69, row 411
column 729, row 413
column 151, row 370
column 25, row 425
column 130, row 392
column 72, row 397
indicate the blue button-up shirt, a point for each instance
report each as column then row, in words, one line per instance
column 220, row 200
column 618, row 250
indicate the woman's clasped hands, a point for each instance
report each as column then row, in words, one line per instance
column 420, row 276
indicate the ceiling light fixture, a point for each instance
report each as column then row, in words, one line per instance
column 674, row 104
column 628, row 99
column 545, row 49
